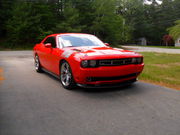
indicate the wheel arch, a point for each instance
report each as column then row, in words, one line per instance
column 35, row 53
column 61, row 61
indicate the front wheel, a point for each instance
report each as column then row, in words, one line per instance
column 37, row 64
column 66, row 76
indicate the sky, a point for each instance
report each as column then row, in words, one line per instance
column 149, row 2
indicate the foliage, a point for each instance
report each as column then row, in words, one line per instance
column 168, row 40
column 174, row 31
column 28, row 22
column 114, row 21
column 5, row 12
column 150, row 21
column 107, row 25
column 70, row 21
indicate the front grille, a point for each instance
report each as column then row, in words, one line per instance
column 115, row 62
column 93, row 79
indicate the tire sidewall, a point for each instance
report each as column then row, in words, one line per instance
column 39, row 65
column 72, row 83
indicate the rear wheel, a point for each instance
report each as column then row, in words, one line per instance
column 37, row 64
column 66, row 76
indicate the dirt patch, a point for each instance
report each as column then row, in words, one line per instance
column 176, row 87
column 161, row 65
column 1, row 74
column 166, row 65
column 157, row 54
column 170, row 79
column 176, row 64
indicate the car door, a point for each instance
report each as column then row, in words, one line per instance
column 46, row 53
column 55, row 56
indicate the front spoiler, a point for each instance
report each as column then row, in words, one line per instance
column 124, row 83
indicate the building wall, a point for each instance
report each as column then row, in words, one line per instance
column 177, row 42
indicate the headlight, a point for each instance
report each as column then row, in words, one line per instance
column 137, row 60
column 84, row 63
column 89, row 63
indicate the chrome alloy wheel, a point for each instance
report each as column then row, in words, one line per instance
column 36, row 62
column 66, row 75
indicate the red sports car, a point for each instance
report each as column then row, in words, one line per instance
column 84, row 60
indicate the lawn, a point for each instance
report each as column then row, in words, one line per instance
column 162, row 69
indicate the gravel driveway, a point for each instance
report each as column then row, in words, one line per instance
column 152, row 49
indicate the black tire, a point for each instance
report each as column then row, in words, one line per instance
column 66, row 76
column 37, row 64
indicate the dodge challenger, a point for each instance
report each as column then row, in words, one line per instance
column 84, row 60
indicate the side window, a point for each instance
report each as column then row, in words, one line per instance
column 51, row 40
column 47, row 40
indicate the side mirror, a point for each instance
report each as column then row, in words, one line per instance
column 48, row 45
column 107, row 44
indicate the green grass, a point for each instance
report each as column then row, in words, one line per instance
column 162, row 69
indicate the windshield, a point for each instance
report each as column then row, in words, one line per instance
column 76, row 40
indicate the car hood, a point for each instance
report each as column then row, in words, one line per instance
column 100, row 52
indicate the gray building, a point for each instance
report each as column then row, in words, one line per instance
column 177, row 42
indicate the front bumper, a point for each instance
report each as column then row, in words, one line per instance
column 123, row 83
column 107, row 74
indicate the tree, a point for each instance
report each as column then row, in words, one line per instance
column 168, row 40
column 149, row 20
column 135, row 14
column 29, row 22
column 108, row 25
column 69, row 21
column 115, row 21
column 5, row 12
column 174, row 31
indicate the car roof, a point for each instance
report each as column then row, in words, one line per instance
column 67, row 34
